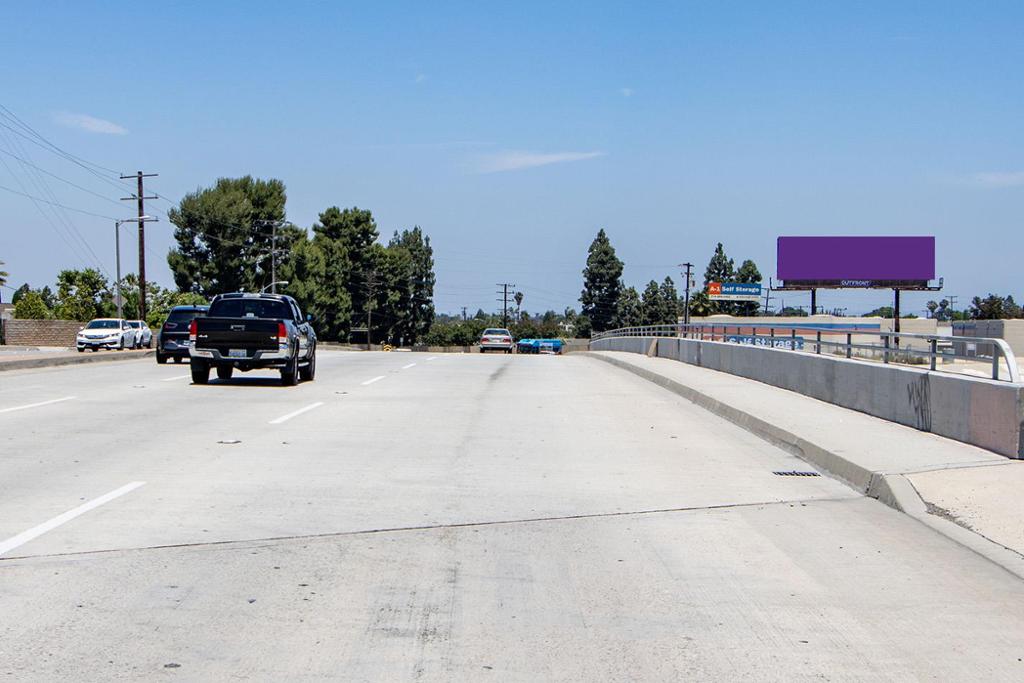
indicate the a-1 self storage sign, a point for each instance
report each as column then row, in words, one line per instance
column 734, row 291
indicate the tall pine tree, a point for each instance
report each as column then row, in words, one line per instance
column 602, row 283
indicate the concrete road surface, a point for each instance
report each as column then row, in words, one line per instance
column 454, row 517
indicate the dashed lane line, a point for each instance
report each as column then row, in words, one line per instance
column 36, row 405
column 375, row 379
column 37, row 531
column 296, row 413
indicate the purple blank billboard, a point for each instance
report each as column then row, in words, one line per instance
column 823, row 259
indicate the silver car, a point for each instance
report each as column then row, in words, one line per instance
column 143, row 335
column 496, row 339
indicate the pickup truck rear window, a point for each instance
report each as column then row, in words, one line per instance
column 250, row 308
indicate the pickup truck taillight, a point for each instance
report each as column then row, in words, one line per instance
column 282, row 331
column 192, row 331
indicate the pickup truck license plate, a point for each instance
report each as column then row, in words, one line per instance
column 237, row 353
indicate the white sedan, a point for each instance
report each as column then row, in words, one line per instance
column 143, row 335
column 105, row 333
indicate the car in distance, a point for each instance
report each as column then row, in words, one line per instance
column 105, row 333
column 143, row 335
column 250, row 331
column 173, row 339
column 496, row 339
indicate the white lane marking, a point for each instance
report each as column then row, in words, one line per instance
column 171, row 379
column 410, row 365
column 432, row 358
column 977, row 373
column 36, row 405
column 300, row 411
column 37, row 531
column 371, row 381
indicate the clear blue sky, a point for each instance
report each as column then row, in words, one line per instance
column 511, row 134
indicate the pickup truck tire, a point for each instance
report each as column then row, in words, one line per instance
column 308, row 371
column 161, row 358
column 225, row 371
column 200, row 372
column 290, row 373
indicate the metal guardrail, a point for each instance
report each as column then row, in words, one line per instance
column 796, row 338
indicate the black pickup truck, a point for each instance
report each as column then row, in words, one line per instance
column 250, row 331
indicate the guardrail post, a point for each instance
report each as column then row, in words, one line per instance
column 935, row 346
column 885, row 355
column 849, row 344
column 817, row 343
column 995, row 361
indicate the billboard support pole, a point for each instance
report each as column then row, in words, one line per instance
column 896, row 314
column 814, row 301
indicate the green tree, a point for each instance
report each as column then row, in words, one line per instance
column 670, row 301
column 652, row 305
column 994, row 307
column 80, row 294
column 602, row 283
column 330, row 276
column 30, row 306
column 701, row 304
column 3, row 279
column 720, row 267
column 417, row 314
column 20, row 292
column 630, row 310
column 224, row 235
column 305, row 270
column 748, row 273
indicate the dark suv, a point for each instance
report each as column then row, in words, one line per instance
column 174, row 334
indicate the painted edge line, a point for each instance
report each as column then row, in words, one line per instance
column 36, row 405
column 296, row 413
column 171, row 379
column 37, row 531
column 371, row 381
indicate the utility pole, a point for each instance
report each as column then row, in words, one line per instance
column 686, row 300
column 371, row 289
column 463, row 314
column 141, row 198
column 504, row 301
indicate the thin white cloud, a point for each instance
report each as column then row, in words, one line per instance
column 998, row 179
column 519, row 160
column 88, row 123
column 626, row 92
column 420, row 78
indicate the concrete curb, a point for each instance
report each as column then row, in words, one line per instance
column 80, row 359
column 892, row 489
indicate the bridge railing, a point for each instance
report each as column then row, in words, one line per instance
column 889, row 347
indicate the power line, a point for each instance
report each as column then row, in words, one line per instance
column 63, row 180
column 63, row 206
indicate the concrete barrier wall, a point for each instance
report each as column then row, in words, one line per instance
column 40, row 332
column 977, row 411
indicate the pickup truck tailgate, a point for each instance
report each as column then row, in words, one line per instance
column 236, row 333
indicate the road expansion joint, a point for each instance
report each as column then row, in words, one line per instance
column 438, row 527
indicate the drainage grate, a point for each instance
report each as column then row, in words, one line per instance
column 796, row 473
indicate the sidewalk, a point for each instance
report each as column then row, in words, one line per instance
column 27, row 358
column 966, row 493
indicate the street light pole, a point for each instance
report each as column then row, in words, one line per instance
column 117, row 251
